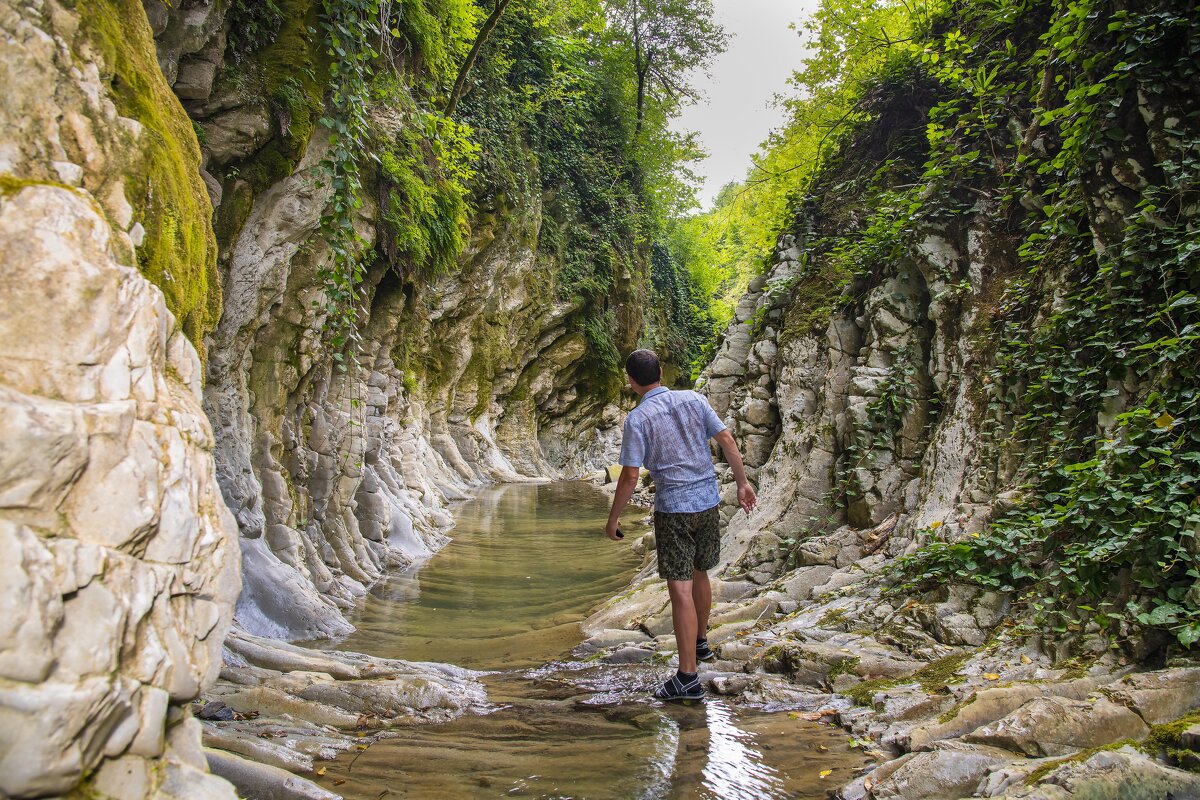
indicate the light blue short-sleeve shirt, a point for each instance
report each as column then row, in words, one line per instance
column 668, row 434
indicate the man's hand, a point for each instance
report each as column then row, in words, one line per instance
column 747, row 497
column 626, row 483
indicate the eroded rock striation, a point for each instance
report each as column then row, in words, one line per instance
column 120, row 561
column 874, row 422
column 339, row 469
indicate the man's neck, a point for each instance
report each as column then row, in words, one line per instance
column 644, row 390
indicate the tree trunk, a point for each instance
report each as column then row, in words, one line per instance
column 640, row 69
column 485, row 30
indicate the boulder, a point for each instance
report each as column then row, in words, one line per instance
column 984, row 706
column 1160, row 696
column 1055, row 726
column 1110, row 775
column 951, row 771
column 800, row 584
column 237, row 133
column 264, row 782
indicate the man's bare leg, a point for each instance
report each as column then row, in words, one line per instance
column 702, row 600
column 683, row 616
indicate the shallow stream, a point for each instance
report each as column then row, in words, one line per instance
column 526, row 565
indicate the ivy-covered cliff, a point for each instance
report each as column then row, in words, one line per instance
column 966, row 387
column 413, row 302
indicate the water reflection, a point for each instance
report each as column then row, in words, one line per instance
column 734, row 769
column 526, row 564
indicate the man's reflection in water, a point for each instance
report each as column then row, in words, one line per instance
column 717, row 759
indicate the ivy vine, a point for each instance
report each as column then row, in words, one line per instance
column 1098, row 389
column 349, row 27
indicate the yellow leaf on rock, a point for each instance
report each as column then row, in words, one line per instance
column 322, row 771
column 825, row 773
column 991, row 676
column 933, row 526
column 1025, row 659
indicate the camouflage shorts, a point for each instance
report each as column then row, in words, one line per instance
column 687, row 542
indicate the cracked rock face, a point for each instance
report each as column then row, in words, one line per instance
column 336, row 472
column 119, row 562
column 118, row 559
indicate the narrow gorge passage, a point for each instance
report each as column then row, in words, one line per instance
column 527, row 562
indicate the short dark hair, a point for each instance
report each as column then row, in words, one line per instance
column 643, row 367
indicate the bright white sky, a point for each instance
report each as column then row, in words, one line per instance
column 737, row 114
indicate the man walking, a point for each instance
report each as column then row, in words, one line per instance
column 668, row 433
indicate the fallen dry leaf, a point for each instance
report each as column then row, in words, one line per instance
column 322, row 770
column 991, row 676
column 825, row 773
column 339, row 781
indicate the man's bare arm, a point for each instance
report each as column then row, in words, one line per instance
column 747, row 498
column 626, row 483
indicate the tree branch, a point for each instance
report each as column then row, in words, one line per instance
column 485, row 30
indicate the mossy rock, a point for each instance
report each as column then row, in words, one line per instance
column 161, row 174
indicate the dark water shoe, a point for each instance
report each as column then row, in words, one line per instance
column 681, row 687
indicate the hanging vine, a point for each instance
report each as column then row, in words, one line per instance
column 349, row 27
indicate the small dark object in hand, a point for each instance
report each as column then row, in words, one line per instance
column 620, row 533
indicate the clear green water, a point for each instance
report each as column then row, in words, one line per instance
column 526, row 564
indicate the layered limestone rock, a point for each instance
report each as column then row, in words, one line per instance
column 870, row 423
column 120, row 563
column 338, row 470
column 336, row 475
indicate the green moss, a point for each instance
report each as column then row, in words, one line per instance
column 162, row 177
column 233, row 212
column 10, row 185
column 813, row 299
column 833, row 617
column 1168, row 739
column 293, row 70
column 289, row 71
column 863, row 694
column 953, row 712
column 424, row 213
column 1080, row 757
column 933, row 678
column 843, row 666
column 1077, row 666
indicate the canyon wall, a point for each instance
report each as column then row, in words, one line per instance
column 337, row 470
column 170, row 399
column 120, row 564
column 965, row 390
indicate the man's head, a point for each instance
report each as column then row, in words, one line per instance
column 643, row 368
